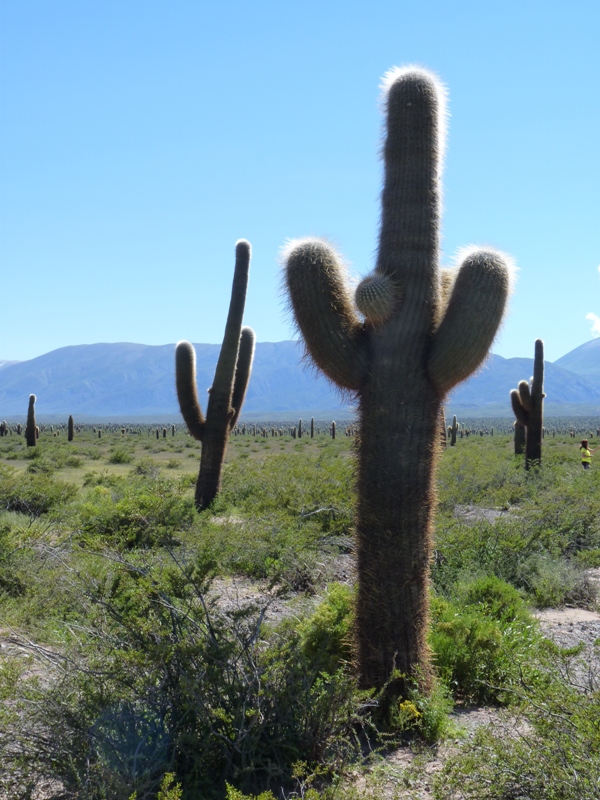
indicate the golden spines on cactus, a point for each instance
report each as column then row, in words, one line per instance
column 376, row 297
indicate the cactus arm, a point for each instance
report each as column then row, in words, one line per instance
column 525, row 396
column 520, row 412
column 224, row 374
column 185, row 379
column 473, row 316
column 324, row 312
column 533, row 447
column 538, row 367
column 242, row 373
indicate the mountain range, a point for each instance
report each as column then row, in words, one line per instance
column 128, row 381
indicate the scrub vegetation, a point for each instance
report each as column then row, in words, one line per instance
column 150, row 651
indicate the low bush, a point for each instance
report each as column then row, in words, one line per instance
column 548, row 750
column 32, row 494
column 482, row 639
column 179, row 686
column 134, row 514
column 120, row 456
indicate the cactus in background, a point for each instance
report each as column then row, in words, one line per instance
column 423, row 332
column 299, row 428
column 31, row 427
column 228, row 391
column 70, row 429
column 443, row 434
column 528, row 404
column 453, row 429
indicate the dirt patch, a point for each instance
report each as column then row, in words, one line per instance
column 473, row 514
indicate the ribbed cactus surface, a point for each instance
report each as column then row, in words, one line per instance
column 226, row 396
column 431, row 331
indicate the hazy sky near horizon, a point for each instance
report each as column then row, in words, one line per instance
column 140, row 140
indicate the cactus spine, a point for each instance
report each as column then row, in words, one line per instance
column 228, row 391
column 31, row 427
column 400, row 363
column 528, row 404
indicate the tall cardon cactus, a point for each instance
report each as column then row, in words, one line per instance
column 228, row 391
column 528, row 404
column 31, row 428
column 418, row 333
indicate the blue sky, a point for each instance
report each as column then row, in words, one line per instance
column 141, row 139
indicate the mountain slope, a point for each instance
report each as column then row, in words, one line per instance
column 136, row 379
column 129, row 380
column 584, row 360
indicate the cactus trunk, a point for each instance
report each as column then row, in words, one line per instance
column 533, row 443
column 393, row 529
column 519, row 438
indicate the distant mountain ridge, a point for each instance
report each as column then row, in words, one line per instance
column 135, row 380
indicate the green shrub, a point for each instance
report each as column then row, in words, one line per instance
column 180, row 686
column 135, row 514
column 10, row 581
column 326, row 636
column 31, row 493
column 481, row 640
column 120, row 456
column 551, row 751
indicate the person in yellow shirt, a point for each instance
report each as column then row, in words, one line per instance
column 586, row 454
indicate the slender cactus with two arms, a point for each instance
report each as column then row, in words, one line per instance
column 229, row 386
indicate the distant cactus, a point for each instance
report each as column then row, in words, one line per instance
column 299, row 428
column 229, row 385
column 31, row 427
column 70, row 429
column 333, row 430
column 423, row 332
column 453, row 429
column 528, row 405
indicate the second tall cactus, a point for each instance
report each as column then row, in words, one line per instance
column 528, row 406
column 228, row 391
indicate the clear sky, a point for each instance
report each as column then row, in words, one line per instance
column 141, row 139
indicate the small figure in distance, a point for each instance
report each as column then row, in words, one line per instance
column 586, row 454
